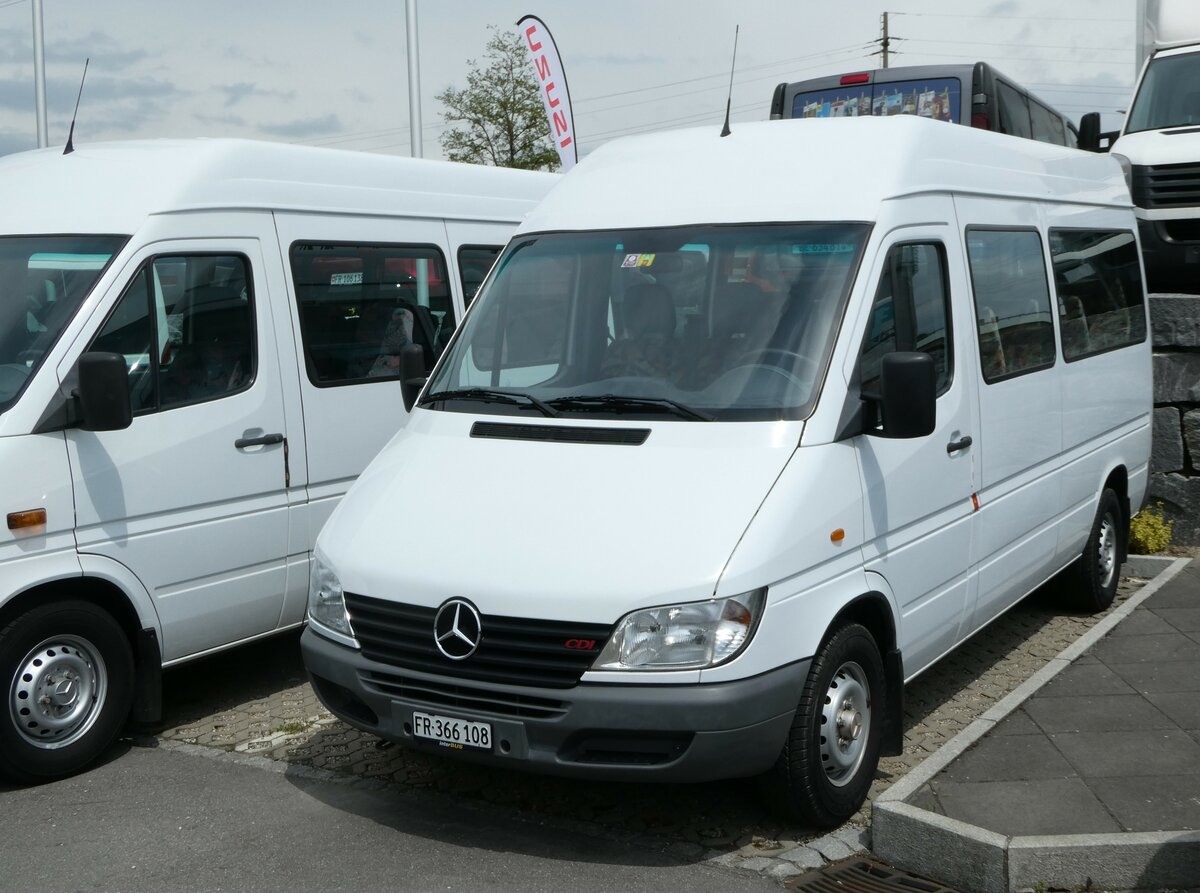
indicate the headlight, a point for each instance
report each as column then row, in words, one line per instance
column 1126, row 168
column 690, row 636
column 327, row 604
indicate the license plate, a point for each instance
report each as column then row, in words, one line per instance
column 452, row 733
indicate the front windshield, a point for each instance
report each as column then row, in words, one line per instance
column 698, row 322
column 1169, row 95
column 43, row 280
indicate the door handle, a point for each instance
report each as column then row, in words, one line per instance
column 961, row 444
column 265, row 440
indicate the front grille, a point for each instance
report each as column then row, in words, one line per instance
column 512, row 650
column 1166, row 185
column 464, row 697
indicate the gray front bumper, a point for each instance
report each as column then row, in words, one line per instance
column 628, row 732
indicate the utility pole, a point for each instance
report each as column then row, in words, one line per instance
column 415, row 133
column 39, row 76
column 884, row 42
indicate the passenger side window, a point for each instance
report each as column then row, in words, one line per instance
column 473, row 263
column 360, row 304
column 1101, row 304
column 1014, row 110
column 185, row 326
column 911, row 312
column 1012, row 302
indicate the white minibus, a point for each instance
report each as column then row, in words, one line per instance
column 742, row 434
column 199, row 346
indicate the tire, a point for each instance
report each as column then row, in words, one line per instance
column 1091, row 582
column 822, row 779
column 66, row 674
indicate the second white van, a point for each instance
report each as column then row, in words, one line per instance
column 199, row 352
column 742, row 434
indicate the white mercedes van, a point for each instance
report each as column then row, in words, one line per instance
column 199, row 348
column 742, row 434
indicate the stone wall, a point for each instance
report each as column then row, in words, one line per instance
column 1175, row 461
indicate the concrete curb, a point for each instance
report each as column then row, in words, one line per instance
column 983, row 861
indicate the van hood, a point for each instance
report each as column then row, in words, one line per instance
column 1176, row 145
column 569, row 531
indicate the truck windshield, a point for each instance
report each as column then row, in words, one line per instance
column 43, row 280
column 1169, row 95
column 687, row 323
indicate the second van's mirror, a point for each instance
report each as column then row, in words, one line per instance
column 412, row 373
column 907, row 394
column 1089, row 132
column 104, row 392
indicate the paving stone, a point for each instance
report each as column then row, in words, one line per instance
column 756, row 864
column 1163, row 752
column 1182, row 707
column 1063, row 806
column 1186, row 620
column 1159, row 676
column 1084, row 679
column 781, row 871
column 1144, row 649
column 1152, row 804
column 1096, row 714
column 804, row 857
column 1143, row 623
column 1016, row 723
column 1009, row 758
column 831, row 848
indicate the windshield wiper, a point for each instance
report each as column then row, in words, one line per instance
column 617, row 403
column 488, row 395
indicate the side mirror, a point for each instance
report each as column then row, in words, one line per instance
column 1089, row 132
column 104, row 392
column 908, row 395
column 412, row 373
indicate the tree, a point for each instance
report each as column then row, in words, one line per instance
column 502, row 119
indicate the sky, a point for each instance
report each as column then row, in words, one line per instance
column 336, row 74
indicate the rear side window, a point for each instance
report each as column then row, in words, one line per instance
column 1014, row 110
column 1012, row 302
column 1101, row 304
column 910, row 313
column 360, row 304
column 1047, row 126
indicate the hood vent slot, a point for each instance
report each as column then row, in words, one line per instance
column 561, row 433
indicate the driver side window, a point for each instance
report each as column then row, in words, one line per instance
column 911, row 312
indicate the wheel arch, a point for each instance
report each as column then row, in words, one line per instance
column 1117, row 480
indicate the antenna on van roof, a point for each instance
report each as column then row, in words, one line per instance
column 71, row 134
column 725, row 131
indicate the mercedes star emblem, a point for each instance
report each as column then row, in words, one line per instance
column 456, row 629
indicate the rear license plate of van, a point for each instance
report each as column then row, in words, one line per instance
column 450, row 732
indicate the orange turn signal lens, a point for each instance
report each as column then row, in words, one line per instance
column 837, row 536
column 31, row 518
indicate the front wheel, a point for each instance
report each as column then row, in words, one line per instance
column 1092, row 580
column 67, row 672
column 831, row 753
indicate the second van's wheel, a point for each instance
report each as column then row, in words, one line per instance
column 1091, row 581
column 831, row 753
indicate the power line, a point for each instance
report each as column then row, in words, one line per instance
column 1029, row 59
column 949, row 15
column 1039, row 46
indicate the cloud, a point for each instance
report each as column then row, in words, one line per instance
column 304, row 128
column 235, row 93
column 1004, row 8
column 616, row 59
column 17, row 142
column 221, row 120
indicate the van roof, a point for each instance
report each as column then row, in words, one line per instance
column 812, row 169
column 114, row 187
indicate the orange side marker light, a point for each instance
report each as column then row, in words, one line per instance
column 30, row 518
column 837, row 536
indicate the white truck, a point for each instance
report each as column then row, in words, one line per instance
column 1159, row 144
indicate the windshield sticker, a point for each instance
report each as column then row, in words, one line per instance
column 346, row 278
column 817, row 248
column 638, row 260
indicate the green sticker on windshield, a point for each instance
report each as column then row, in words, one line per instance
column 638, row 260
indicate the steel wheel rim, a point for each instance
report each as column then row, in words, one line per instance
column 58, row 692
column 1107, row 551
column 845, row 723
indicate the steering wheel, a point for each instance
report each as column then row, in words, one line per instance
column 785, row 361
